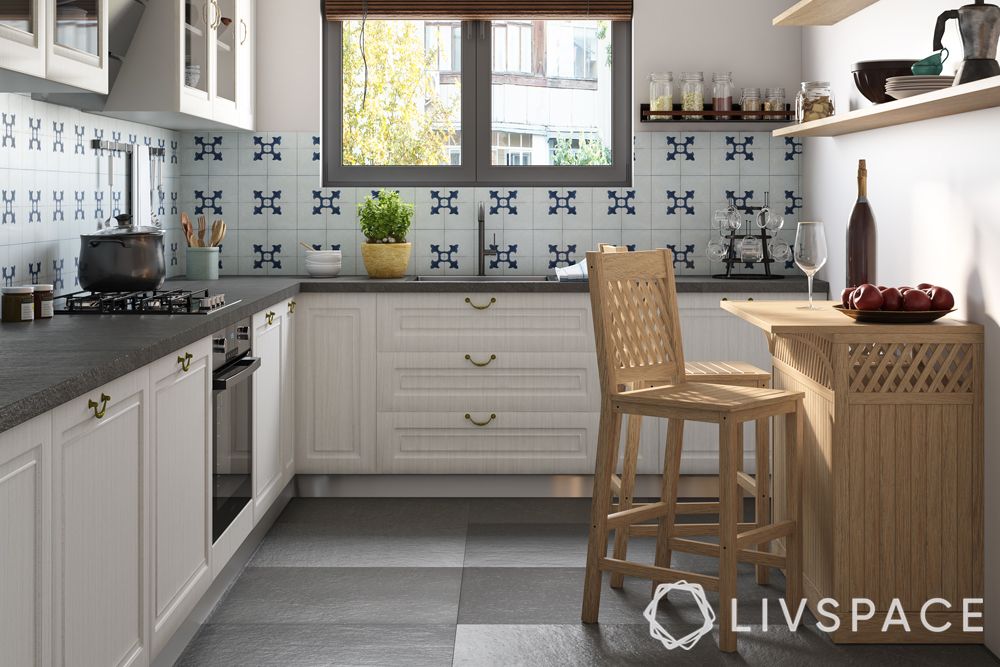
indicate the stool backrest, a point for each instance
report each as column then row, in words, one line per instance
column 633, row 299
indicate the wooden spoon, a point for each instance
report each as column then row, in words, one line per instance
column 201, row 231
column 188, row 229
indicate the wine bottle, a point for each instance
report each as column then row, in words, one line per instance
column 861, row 236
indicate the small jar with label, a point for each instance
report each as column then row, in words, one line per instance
column 18, row 304
column 814, row 101
column 44, row 297
column 774, row 101
column 661, row 92
column 693, row 94
column 751, row 102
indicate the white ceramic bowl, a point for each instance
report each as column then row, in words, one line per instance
column 322, row 264
column 323, row 271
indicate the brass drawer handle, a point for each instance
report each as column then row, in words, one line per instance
column 481, row 364
column 478, row 307
column 269, row 316
column 291, row 307
column 99, row 408
column 485, row 423
column 185, row 361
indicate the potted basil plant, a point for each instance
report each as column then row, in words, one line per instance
column 385, row 220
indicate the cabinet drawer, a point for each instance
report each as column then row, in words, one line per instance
column 474, row 380
column 485, row 321
column 510, row 443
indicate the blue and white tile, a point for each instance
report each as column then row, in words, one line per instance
column 661, row 185
column 640, row 239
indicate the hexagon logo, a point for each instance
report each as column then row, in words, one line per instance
column 688, row 641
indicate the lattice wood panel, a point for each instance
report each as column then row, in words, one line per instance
column 912, row 368
column 641, row 333
column 809, row 355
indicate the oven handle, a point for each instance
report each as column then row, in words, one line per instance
column 247, row 366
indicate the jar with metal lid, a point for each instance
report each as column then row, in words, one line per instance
column 814, row 101
column 774, row 100
column 722, row 93
column 661, row 92
column 44, row 296
column 750, row 102
column 18, row 304
column 693, row 94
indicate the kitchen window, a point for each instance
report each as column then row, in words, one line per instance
column 508, row 101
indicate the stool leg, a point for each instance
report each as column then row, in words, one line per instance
column 729, row 515
column 633, row 430
column 762, row 509
column 793, row 473
column 668, row 492
column 597, row 546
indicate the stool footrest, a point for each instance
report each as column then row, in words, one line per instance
column 765, row 533
column 657, row 574
column 637, row 514
column 744, row 556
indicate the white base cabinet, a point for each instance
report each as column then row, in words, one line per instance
column 100, row 517
column 181, row 491
column 26, row 543
column 267, row 338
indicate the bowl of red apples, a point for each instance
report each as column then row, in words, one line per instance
column 896, row 305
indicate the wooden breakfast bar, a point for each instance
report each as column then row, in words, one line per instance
column 893, row 464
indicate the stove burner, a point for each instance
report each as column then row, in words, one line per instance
column 157, row 302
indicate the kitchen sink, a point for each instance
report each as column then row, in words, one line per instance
column 485, row 279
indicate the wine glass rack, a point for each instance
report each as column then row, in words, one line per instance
column 736, row 264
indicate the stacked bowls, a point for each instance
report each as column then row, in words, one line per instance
column 323, row 263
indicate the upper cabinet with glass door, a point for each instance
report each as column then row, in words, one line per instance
column 209, row 56
column 64, row 41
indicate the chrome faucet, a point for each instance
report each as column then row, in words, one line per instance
column 484, row 252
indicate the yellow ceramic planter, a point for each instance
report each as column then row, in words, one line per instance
column 386, row 260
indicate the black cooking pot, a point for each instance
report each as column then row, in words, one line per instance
column 122, row 259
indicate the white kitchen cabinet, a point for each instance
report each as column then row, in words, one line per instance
column 26, row 543
column 288, row 391
column 55, row 41
column 267, row 341
column 336, row 362
column 180, row 494
column 100, row 519
column 190, row 66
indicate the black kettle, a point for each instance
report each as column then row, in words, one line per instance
column 979, row 25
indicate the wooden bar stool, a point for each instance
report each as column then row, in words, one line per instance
column 715, row 372
column 637, row 330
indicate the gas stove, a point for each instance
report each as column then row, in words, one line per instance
column 151, row 302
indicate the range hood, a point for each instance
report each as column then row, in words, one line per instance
column 123, row 21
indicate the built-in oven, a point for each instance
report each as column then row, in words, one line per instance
column 233, row 366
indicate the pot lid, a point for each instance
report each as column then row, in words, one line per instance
column 126, row 230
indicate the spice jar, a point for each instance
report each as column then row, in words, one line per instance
column 693, row 94
column 814, row 101
column 18, row 304
column 750, row 102
column 774, row 100
column 661, row 92
column 44, row 295
column 722, row 93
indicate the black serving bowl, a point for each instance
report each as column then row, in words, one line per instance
column 870, row 77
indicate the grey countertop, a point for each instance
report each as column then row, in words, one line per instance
column 49, row 362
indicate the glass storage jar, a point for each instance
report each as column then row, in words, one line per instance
column 661, row 92
column 693, row 94
column 44, row 296
column 814, row 101
column 750, row 102
column 18, row 304
column 774, row 100
column 722, row 93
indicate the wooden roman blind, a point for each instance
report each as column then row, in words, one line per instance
column 479, row 10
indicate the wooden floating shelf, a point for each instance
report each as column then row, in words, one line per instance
column 983, row 94
column 710, row 116
column 821, row 12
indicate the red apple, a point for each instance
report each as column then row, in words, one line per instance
column 925, row 286
column 941, row 299
column 867, row 297
column 845, row 297
column 915, row 299
column 891, row 299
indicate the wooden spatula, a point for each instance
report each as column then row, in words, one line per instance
column 218, row 233
column 201, row 231
column 188, row 229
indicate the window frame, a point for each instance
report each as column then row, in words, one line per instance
column 477, row 125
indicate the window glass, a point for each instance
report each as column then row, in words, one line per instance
column 561, row 113
column 404, row 108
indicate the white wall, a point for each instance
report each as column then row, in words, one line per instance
column 714, row 36
column 933, row 186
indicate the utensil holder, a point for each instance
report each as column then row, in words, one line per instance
column 202, row 263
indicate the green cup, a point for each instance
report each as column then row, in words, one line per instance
column 931, row 65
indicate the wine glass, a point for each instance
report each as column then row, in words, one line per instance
column 810, row 252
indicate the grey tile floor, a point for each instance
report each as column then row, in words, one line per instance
column 479, row 582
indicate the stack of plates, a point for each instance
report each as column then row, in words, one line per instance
column 908, row 86
column 323, row 263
